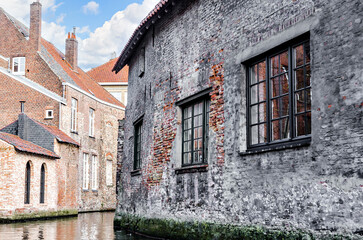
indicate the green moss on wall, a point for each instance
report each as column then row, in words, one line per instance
column 177, row 230
column 39, row 215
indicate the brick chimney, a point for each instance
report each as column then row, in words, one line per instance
column 35, row 25
column 72, row 49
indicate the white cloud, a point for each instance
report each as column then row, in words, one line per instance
column 84, row 29
column 60, row 18
column 54, row 7
column 113, row 35
column 90, row 7
column 55, row 34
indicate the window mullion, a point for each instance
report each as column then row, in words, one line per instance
column 291, row 93
column 192, row 140
column 183, row 131
column 268, row 118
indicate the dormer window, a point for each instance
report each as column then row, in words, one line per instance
column 19, row 65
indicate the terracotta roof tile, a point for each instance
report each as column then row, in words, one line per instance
column 26, row 146
column 104, row 73
column 82, row 79
column 59, row 135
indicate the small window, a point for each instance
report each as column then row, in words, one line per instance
column 91, row 122
column 48, row 114
column 74, row 115
column 279, row 96
column 42, row 183
column 137, row 145
column 195, row 132
column 142, row 62
column 27, row 183
column 19, row 65
column 85, row 181
column 109, row 173
column 94, row 180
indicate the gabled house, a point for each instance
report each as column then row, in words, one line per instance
column 45, row 160
column 116, row 84
column 244, row 121
column 59, row 94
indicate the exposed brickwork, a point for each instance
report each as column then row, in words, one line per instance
column 203, row 44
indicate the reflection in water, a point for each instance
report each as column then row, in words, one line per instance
column 87, row 226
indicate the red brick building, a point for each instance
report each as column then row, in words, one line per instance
column 59, row 94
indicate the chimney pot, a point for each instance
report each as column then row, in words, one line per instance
column 72, row 49
column 22, row 106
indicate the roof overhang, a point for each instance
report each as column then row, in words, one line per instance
column 160, row 10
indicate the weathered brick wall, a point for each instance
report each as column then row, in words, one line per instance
column 36, row 103
column 103, row 145
column 12, row 182
column 67, row 175
column 199, row 45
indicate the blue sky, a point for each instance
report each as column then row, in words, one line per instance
column 103, row 26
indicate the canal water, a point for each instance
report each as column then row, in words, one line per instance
column 87, row 226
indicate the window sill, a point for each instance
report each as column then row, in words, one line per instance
column 136, row 172
column 85, row 190
column 92, row 137
column 95, row 191
column 192, row 169
column 75, row 132
column 48, row 118
column 282, row 146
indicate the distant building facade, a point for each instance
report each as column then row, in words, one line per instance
column 244, row 120
column 57, row 93
column 116, row 84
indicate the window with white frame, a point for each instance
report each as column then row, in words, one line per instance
column 48, row 114
column 19, row 65
column 94, row 180
column 91, row 122
column 74, row 115
column 109, row 172
column 85, row 172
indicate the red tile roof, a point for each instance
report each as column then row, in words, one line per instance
column 104, row 73
column 140, row 30
column 59, row 135
column 26, row 146
column 82, row 79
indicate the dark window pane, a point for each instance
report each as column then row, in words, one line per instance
column 262, row 71
column 262, row 92
column 285, row 106
column 275, row 87
column 284, row 62
column 200, row 144
column 300, row 125
column 187, row 158
column 254, row 74
column 275, row 108
column 187, row 124
column 299, row 78
column 254, row 135
column 187, row 135
column 307, row 76
column 254, row 96
column 284, row 84
column 275, row 130
column 308, row 123
column 307, row 53
column 198, row 108
column 263, row 133
column 254, row 114
column 308, row 99
column 299, row 102
column 299, row 56
column 275, row 65
column 285, row 127
column 262, row 112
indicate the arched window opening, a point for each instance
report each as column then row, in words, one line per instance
column 42, row 183
column 27, row 183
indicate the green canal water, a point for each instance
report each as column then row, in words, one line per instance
column 87, row 226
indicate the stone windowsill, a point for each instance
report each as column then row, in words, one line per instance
column 192, row 169
column 136, row 172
